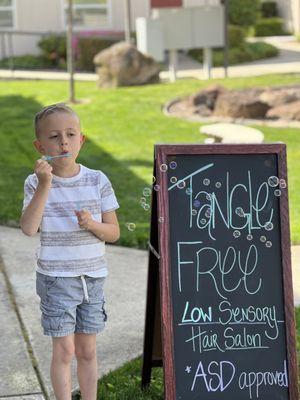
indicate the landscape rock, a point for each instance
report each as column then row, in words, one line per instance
column 123, row 65
column 276, row 97
column 240, row 104
column 286, row 111
column 207, row 96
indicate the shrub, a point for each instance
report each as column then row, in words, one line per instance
column 243, row 12
column 54, row 50
column 236, row 35
column 236, row 55
column 270, row 27
column 269, row 9
column 26, row 62
column 87, row 48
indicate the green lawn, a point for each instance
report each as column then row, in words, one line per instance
column 122, row 126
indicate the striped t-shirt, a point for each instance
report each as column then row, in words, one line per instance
column 66, row 249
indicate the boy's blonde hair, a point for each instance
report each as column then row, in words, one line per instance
column 51, row 109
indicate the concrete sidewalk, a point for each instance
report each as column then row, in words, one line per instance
column 22, row 375
column 26, row 351
column 288, row 61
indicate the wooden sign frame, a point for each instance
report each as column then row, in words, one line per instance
column 158, row 339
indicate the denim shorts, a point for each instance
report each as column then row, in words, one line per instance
column 71, row 304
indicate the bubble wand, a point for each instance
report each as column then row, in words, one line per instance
column 50, row 158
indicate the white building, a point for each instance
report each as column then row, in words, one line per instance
column 94, row 16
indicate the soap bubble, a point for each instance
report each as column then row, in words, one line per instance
column 203, row 221
column 268, row 244
column 196, row 203
column 194, row 212
column 147, row 192
column 249, row 237
column 269, row 226
column 181, row 184
column 263, row 239
column 161, row 220
column 188, row 191
column 156, row 188
column 208, row 213
column 173, row 179
column 130, row 226
column 208, row 196
column 143, row 200
column 277, row 192
column 218, row 185
column 282, row 183
column 163, row 167
column 236, row 234
column 240, row 212
column 273, row 181
column 206, row 182
column 173, row 164
column 146, row 207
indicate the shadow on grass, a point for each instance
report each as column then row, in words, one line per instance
column 17, row 153
column 128, row 188
column 18, row 157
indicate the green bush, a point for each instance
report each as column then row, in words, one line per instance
column 269, row 9
column 237, row 55
column 26, row 62
column 54, row 50
column 269, row 27
column 87, row 48
column 243, row 12
column 236, row 35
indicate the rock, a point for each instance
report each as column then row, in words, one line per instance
column 207, row 96
column 240, row 104
column 123, row 65
column 286, row 111
column 232, row 133
column 203, row 110
column 279, row 96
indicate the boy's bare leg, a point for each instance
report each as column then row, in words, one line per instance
column 87, row 370
column 62, row 355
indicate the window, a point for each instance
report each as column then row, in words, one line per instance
column 89, row 14
column 6, row 14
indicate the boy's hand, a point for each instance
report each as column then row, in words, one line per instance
column 84, row 218
column 43, row 171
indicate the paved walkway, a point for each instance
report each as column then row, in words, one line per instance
column 288, row 61
column 122, row 340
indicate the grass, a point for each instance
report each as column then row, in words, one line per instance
column 121, row 125
column 125, row 383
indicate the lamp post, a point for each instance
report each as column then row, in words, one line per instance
column 70, row 58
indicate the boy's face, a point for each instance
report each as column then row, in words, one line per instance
column 60, row 133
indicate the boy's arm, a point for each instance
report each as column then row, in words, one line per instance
column 32, row 215
column 108, row 230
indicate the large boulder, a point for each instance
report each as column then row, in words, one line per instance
column 123, row 65
column 278, row 96
column 207, row 97
column 240, row 104
column 286, row 111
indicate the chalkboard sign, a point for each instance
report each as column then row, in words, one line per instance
column 221, row 267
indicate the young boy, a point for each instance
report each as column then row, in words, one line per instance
column 74, row 208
